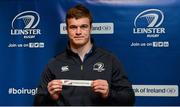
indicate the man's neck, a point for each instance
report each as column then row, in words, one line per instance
column 82, row 50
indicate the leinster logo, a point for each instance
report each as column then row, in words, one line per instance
column 99, row 66
column 25, row 24
column 148, row 22
column 29, row 18
column 153, row 17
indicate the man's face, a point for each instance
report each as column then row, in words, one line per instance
column 79, row 31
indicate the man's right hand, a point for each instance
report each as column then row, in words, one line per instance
column 55, row 89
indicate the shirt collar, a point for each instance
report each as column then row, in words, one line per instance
column 91, row 51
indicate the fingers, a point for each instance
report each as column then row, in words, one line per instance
column 101, row 86
column 98, row 86
column 54, row 87
column 100, row 82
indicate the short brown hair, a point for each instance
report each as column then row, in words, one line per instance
column 77, row 12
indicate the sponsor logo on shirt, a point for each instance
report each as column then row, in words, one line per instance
column 65, row 68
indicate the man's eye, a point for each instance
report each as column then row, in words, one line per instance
column 73, row 27
column 84, row 26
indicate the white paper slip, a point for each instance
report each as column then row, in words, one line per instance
column 85, row 83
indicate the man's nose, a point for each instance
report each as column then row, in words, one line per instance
column 78, row 31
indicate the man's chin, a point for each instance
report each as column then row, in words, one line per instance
column 80, row 44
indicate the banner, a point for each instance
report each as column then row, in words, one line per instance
column 143, row 34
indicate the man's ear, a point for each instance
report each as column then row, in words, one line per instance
column 67, row 28
column 91, row 27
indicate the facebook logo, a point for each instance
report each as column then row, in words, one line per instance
column 36, row 45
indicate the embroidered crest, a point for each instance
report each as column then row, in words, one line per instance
column 99, row 66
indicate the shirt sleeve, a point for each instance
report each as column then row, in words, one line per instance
column 121, row 92
column 42, row 98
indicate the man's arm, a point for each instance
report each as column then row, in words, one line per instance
column 42, row 98
column 120, row 92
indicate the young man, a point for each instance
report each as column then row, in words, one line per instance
column 83, row 74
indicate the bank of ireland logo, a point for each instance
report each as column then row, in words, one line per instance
column 149, row 22
column 99, row 66
column 25, row 23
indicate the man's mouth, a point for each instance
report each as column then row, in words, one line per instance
column 79, row 37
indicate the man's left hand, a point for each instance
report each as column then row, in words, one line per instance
column 101, row 86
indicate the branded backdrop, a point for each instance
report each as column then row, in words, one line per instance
column 143, row 34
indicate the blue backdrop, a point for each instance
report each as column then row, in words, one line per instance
column 143, row 34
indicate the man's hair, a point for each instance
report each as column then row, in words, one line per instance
column 77, row 12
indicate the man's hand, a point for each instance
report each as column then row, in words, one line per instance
column 55, row 88
column 101, row 86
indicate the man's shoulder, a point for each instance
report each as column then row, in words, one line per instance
column 58, row 57
column 106, row 52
